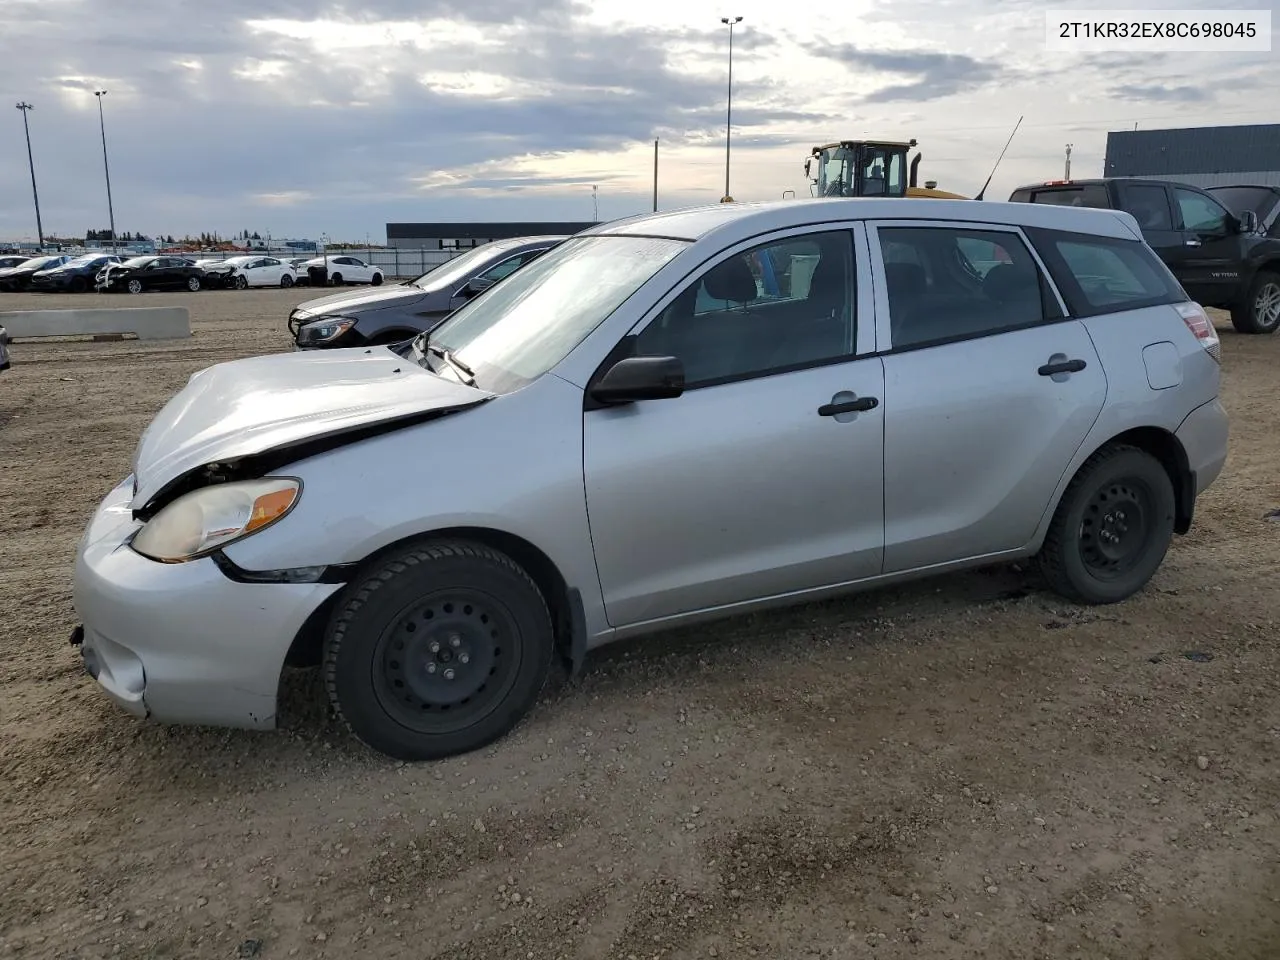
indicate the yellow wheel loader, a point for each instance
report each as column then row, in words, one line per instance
column 868, row 168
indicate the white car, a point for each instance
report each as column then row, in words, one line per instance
column 252, row 271
column 344, row 269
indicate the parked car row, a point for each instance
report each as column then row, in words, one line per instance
column 663, row 420
column 111, row 273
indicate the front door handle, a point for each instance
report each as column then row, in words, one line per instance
column 1061, row 366
column 859, row 405
column 1193, row 243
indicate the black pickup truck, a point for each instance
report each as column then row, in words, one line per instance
column 1222, row 258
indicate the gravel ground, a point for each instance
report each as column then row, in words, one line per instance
column 966, row 767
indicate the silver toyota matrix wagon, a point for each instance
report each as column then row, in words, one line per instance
column 669, row 418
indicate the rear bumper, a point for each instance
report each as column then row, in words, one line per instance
column 1204, row 436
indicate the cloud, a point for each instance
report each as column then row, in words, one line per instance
column 1165, row 94
column 297, row 116
column 935, row 75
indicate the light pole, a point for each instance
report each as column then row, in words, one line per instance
column 106, row 169
column 728, row 120
column 24, row 107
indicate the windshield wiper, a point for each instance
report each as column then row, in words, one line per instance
column 447, row 356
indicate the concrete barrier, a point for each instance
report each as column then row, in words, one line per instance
column 148, row 323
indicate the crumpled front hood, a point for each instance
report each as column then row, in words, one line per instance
column 247, row 407
column 373, row 298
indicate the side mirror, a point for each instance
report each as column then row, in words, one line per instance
column 474, row 286
column 1248, row 222
column 640, row 378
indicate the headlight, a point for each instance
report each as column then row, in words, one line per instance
column 324, row 330
column 200, row 522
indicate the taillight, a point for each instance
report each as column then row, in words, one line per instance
column 1198, row 323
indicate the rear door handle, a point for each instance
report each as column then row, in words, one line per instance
column 1061, row 366
column 848, row 406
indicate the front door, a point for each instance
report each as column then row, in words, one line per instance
column 765, row 477
column 988, row 393
column 1211, row 249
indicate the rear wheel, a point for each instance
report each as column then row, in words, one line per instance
column 438, row 650
column 193, row 284
column 286, row 281
column 1112, row 529
column 1260, row 311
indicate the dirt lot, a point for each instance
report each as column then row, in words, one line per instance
column 965, row 768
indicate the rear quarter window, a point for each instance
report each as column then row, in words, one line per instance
column 1100, row 275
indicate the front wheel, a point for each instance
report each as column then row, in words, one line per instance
column 1260, row 311
column 135, row 286
column 79, row 285
column 438, row 650
column 336, row 279
column 377, row 280
column 1112, row 529
column 241, row 282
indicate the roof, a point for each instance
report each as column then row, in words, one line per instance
column 1244, row 148
column 484, row 231
column 733, row 221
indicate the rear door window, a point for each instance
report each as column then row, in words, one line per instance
column 1104, row 274
column 953, row 283
column 1149, row 205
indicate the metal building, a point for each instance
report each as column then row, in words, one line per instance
column 1200, row 156
column 463, row 236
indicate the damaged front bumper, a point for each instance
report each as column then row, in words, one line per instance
column 182, row 642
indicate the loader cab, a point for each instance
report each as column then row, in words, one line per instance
column 860, row 168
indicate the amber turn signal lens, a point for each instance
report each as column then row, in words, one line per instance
column 269, row 507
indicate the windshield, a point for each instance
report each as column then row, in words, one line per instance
column 86, row 260
column 1238, row 199
column 40, row 263
column 522, row 327
column 459, row 268
column 137, row 261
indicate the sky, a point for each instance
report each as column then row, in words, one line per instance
column 295, row 118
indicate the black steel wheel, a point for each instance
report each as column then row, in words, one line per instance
column 1112, row 529
column 438, row 650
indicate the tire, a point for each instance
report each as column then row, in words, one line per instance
column 193, row 284
column 1260, row 311
column 79, row 285
column 377, row 280
column 286, row 281
column 135, row 286
column 1121, row 491
column 480, row 611
column 336, row 279
column 241, row 282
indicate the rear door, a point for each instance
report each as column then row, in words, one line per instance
column 1152, row 206
column 989, row 389
column 1211, row 249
